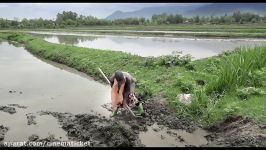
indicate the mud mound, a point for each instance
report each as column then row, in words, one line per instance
column 7, row 109
column 101, row 132
column 18, row 106
column 237, row 131
column 158, row 112
column 46, row 142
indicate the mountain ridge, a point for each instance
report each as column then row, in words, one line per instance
column 215, row 9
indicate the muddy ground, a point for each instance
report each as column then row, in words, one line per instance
column 3, row 131
column 123, row 130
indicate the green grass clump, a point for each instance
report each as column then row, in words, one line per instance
column 185, row 86
column 257, row 78
column 233, row 70
column 245, row 93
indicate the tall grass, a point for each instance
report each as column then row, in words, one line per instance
column 233, row 70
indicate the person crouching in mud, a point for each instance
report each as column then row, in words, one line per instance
column 122, row 93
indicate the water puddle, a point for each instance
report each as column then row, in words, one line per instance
column 160, row 136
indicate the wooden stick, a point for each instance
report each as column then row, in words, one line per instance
column 127, row 107
column 104, row 75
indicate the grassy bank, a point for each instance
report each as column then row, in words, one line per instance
column 215, row 31
column 234, row 82
column 216, row 34
column 261, row 27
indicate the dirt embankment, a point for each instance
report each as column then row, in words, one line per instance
column 237, row 131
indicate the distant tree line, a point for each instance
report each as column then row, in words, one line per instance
column 72, row 19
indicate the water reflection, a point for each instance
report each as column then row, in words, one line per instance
column 70, row 39
column 150, row 46
column 45, row 86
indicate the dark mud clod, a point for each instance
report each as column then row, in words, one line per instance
column 31, row 119
column 3, row 131
column 155, row 129
column 33, row 137
column 7, row 109
column 17, row 105
column 181, row 139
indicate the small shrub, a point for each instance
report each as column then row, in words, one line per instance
column 226, row 53
column 200, row 82
column 212, row 66
column 257, row 78
column 190, row 66
column 231, row 109
column 187, row 87
column 161, row 78
column 245, row 93
column 199, row 103
column 149, row 61
column 185, row 60
column 143, row 92
column 184, row 85
column 174, row 60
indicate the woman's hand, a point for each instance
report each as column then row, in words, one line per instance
column 131, row 96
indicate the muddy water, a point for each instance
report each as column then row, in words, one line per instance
column 150, row 46
column 42, row 86
column 47, row 86
column 160, row 136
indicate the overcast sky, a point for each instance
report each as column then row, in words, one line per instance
column 49, row 10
